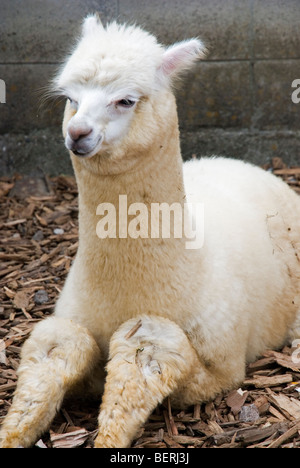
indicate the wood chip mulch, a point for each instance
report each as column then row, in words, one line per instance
column 38, row 241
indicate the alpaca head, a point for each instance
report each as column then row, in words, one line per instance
column 111, row 76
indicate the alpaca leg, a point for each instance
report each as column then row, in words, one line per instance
column 210, row 377
column 147, row 363
column 56, row 356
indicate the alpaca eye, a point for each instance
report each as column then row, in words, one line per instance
column 126, row 103
column 73, row 103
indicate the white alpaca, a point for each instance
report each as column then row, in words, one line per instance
column 170, row 321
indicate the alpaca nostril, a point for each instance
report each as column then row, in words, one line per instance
column 78, row 133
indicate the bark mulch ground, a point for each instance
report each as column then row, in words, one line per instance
column 38, row 241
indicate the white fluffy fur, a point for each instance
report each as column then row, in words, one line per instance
column 170, row 321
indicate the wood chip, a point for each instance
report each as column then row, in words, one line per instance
column 265, row 382
column 284, row 360
column 21, row 300
column 289, row 405
column 70, row 439
column 14, row 222
column 286, row 435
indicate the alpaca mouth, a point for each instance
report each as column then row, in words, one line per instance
column 80, row 153
column 87, row 153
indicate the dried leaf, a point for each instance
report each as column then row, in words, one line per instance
column 236, row 399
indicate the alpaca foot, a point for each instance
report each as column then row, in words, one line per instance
column 56, row 356
column 149, row 358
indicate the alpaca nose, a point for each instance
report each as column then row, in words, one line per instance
column 77, row 133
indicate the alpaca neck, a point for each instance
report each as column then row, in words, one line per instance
column 155, row 178
column 120, row 270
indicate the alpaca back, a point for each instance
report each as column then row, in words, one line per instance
column 250, row 252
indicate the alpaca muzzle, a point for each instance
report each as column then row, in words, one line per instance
column 84, row 145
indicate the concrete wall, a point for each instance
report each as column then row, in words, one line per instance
column 237, row 102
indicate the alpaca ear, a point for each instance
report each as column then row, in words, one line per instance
column 181, row 56
column 91, row 24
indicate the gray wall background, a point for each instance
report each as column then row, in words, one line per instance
column 236, row 103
